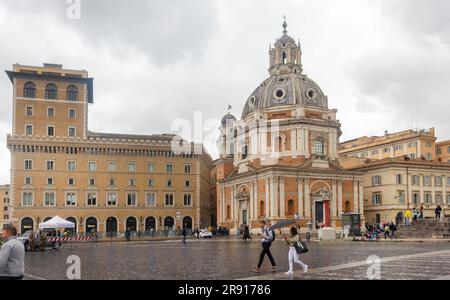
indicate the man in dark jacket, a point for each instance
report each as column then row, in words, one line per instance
column 184, row 234
column 438, row 211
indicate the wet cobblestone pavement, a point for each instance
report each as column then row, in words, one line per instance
column 234, row 259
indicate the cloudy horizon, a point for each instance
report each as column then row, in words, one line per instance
column 384, row 64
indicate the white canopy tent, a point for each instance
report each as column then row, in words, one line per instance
column 56, row 222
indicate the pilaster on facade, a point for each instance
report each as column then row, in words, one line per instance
column 267, row 203
column 339, row 188
column 361, row 197
column 300, row 210
column 355, row 196
column 307, row 199
column 334, row 202
column 282, row 199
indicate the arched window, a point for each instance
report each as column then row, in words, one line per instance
column 72, row 93
column 291, row 208
column 187, row 222
column 27, row 224
column 318, row 147
column 262, row 210
column 72, row 231
column 29, row 90
column 168, row 223
column 284, row 57
column 51, row 91
column 228, row 212
column 111, row 227
column 91, row 225
column 131, row 224
column 150, row 223
column 347, row 207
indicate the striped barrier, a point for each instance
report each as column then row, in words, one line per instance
column 68, row 239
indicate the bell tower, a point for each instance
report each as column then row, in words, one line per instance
column 286, row 55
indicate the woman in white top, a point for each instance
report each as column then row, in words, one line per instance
column 293, row 256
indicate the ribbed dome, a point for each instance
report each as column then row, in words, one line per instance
column 285, row 90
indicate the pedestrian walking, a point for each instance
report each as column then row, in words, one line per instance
column 184, row 233
column 246, row 236
column 42, row 241
column 387, row 231
column 438, row 211
column 267, row 239
column 416, row 215
column 12, row 255
column 31, row 242
column 421, row 211
column 128, row 234
column 408, row 217
column 292, row 255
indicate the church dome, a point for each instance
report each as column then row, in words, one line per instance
column 226, row 118
column 285, row 90
column 286, row 86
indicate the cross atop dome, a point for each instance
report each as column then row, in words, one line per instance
column 285, row 25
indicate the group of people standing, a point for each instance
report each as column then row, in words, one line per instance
column 268, row 236
column 417, row 214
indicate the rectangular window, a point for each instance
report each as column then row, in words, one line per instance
column 29, row 111
column 374, row 152
column 50, row 165
column 72, row 132
column 187, row 200
column 112, row 199
column 49, row 199
column 92, row 166
column 50, row 181
column 428, row 144
column 150, row 183
column 151, row 168
column 132, row 182
column 168, row 200
column 71, row 181
column 427, row 180
column 91, row 181
column 131, row 199
column 50, row 112
column 187, row 169
column 51, row 131
column 427, row 197
column 5, row 217
column 187, row 183
column 386, row 150
column 132, row 167
column 27, row 199
column 438, row 151
column 112, row 182
column 448, row 198
column 28, row 164
column 429, row 156
column 29, row 130
column 438, row 180
column 169, row 183
column 112, row 166
column 72, row 113
column 318, row 147
column 376, row 180
column 28, row 181
column 150, row 199
column 416, row 197
column 412, row 156
column 412, row 145
column 415, row 180
column 398, row 178
column 169, row 169
column 92, row 199
column 71, row 166
column 438, row 197
column 401, row 197
column 398, row 147
column 376, row 198
column 71, row 199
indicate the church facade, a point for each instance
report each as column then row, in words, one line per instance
column 280, row 159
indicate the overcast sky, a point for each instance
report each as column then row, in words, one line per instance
column 385, row 65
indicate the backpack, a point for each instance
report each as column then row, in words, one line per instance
column 273, row 234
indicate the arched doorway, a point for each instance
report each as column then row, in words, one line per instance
column 131, row 224
column 91, row 225
column 47, row 219
column 169, row 223
column 150, row 224
column 262, row 209
column 187, row 222
column 399, row 218
column 26, row 225
column 72, row 231
column 111, row 227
